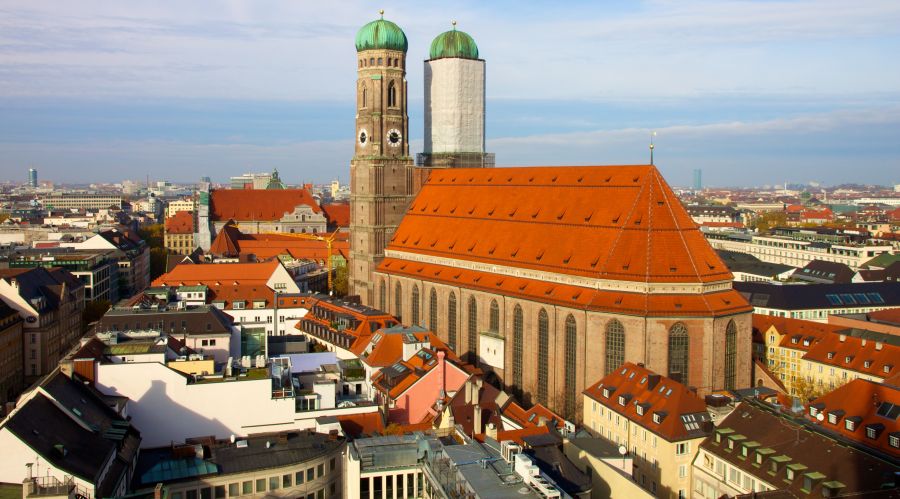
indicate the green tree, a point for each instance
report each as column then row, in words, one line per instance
column 158, row 261
column 152, row 235
column 341, row 282
column 765, row 222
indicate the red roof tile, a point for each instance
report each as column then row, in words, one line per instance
column 356, row 425
column 224, row 273
column 865, row 400
column 252, row 204
column 180, row 223
column 338, row 214
column 606, row 222
column 797, row 334
column 856, row 354
column 670, row 399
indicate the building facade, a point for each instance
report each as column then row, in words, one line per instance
column 81, row 201
column 179, row 233
column 581, row 268
column 382, row 172
column 12, row 374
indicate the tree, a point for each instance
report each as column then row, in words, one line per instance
column 158, row 262
column 341, row 282
column 152, row 235
column 766, row 221
column 807, row 389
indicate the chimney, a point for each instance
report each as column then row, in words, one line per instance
column 652, row 381
column 476, row 419
column 843, row 337
column 157, row 491
column 879, row 345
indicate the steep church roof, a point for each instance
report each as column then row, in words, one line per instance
column 253, row 204
column 592, row 237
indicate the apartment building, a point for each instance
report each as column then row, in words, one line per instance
column 179, row 233
column 786, row 342
column 12, row 375
column 840, row 357
column 80, row 201
column 658, row 421
column 794, row 252
column 816, row 302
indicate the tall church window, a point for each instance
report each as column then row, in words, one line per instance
column 543, row 355
column 380, row 62
column 518, row 340
column 473, row 329
column 730, row 355
column 494, row 325
column 571, row 359
column 615, row 345
column 364, row 97
column 678, row 352
column 382, row 296
column 433, row 311
column 371, row 61
column 398, row 302
column 392, row 95
column 451, row 321
column 415, row 305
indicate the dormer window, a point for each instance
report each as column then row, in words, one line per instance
column 607, row 391
column 835, row 416
column 874, row 430
column 806, row 342
column 815, row 409
column 640, row 409
column 850, row 423
column 795, row 340
column 894, row 440
column 658, row 417
column 887, row 368
column 830, row 355
column 867, row 364
column 622, row 400
column 848, row 359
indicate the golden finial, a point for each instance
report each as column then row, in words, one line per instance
column 453, row 22
column 381, row 12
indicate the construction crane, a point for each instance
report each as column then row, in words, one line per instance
column 328, row 240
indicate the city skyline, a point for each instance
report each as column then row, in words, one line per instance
column 751, row 93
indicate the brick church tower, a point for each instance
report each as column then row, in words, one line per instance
column 382, row 173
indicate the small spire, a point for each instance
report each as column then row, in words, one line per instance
column 453, row 22
column 381, row 13
column 652, row 134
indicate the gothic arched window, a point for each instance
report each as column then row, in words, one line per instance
column 451, row 321
column 571, row 359
column 398, row 302
column 473, row 328
column 518, row 340
column 364, row 97
column 678, row 353
column 382, row 296
column 615, row 345
column 433, row 311
column 415, row 305
column 543, row 355
column 730, row 354
column 391, row 95
column 494, row 325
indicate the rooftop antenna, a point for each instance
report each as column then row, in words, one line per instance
column 652, row 134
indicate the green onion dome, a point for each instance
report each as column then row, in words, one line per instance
column 381, row 34
column 454, row 44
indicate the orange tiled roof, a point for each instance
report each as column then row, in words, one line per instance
column 865, row 400
column 609, row 222
column 231, row 242
column 856, row 354
column 225, row 273
column 252, row 204
column 659, row 395
column 517, row 436
column 531, row 417
column 338, row 214
column 180, row 223
column 797, row 334
column 888, row 315
column 362, row 424
column 716, row 303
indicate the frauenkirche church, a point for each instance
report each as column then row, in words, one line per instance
column 547, row 277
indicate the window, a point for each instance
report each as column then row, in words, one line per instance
column 472, row 337
column 678, row 353
column 310, row 475
column 451, row 321
column 260, row 485
column 682, row 448
column 234, row 489
column 615, row 345
column 219, row 491
column 850, row 424
column 730, row 355
column 894, row 440
column 518, row 320
column 398, row 302
column 433, row 311
column 571, row 358
column 682, row 470
column 543, row 355
column 382, row 296
column 247, row 487
column 298, row 478
column 392, row 95
column 494, row 323
column 286, row 481
column 414, row 303
column 364, row 96
column 274, row 483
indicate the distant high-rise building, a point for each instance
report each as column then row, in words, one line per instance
column 698, row 179
column 32, row 178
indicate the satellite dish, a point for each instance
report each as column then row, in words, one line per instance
column 820, row 417
column 622, row 450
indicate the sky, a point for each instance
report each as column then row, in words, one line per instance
column 751, row 92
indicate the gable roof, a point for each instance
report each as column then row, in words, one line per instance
column 825, row 272
column 681, row 413
column 338, row 214
column 224, row 273
column 181, row 222
column 856, row 354
column 876, row 404
column 796, row 334
column 253, row 204
column 607, row 222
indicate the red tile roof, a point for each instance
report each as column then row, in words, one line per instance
column 533, row 416
column 356, row 425
column 243, row 204
column 180, row 223
column 338, row 214
column 224, row 273
column 868, row 401
column 606, row 222
column 231, row 242
column 797, row 334
column 717, row 303
column 856, row 354
column 659, row 394
column 886, row 316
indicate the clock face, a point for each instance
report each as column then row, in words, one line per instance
column 363, row 137
column 394, row 137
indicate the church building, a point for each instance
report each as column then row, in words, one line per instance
column 548, row 278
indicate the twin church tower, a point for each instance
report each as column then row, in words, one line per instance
column 384, row 178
